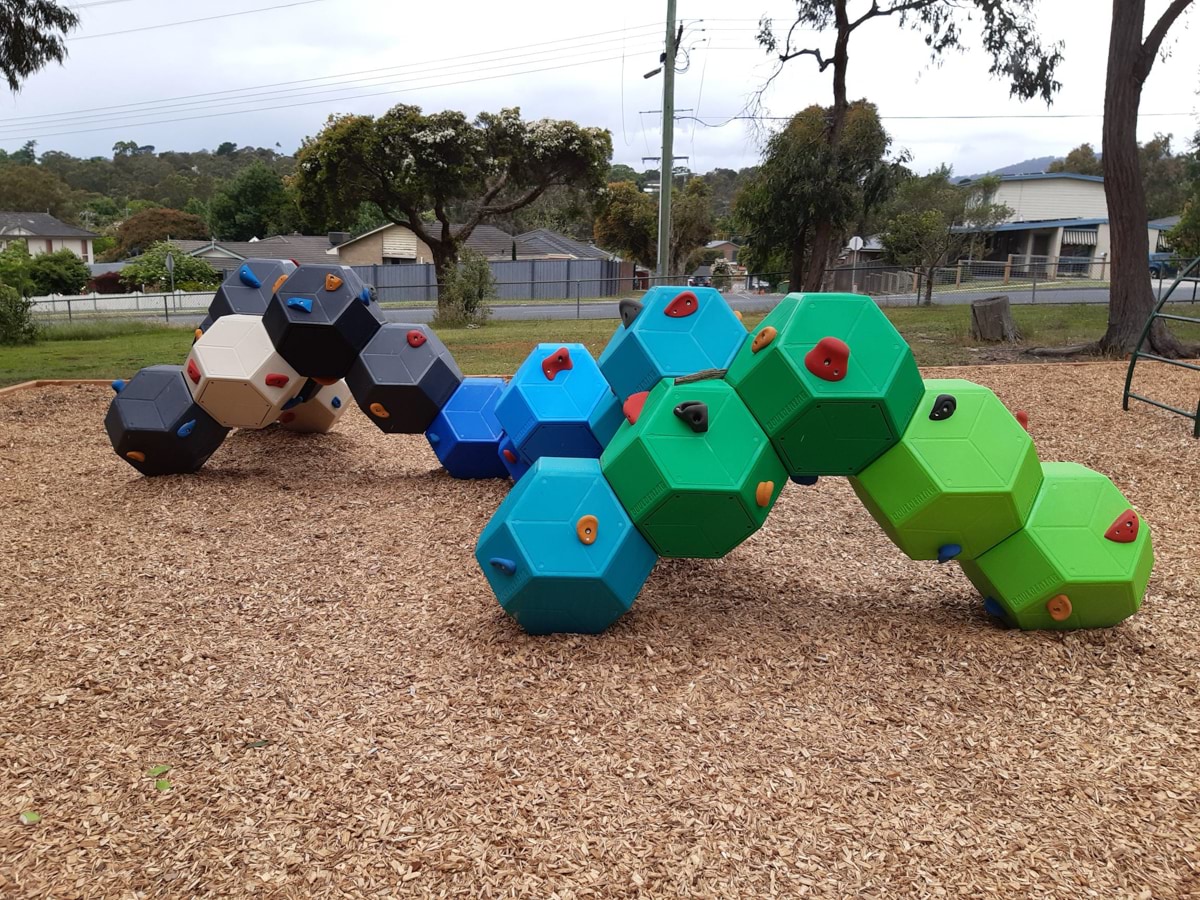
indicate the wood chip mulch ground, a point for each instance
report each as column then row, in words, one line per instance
column 300, row 633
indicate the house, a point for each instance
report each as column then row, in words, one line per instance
column 1158, row 233
column 542, row 243
column 727, row 249
column 226, row 255
column 399, row 245
column 1055, row 215
column 43, row 233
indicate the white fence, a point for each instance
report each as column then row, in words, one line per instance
column 132, row 305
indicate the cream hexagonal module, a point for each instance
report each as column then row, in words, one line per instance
column 237, row 377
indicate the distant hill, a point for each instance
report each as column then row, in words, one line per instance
column 1028, row 167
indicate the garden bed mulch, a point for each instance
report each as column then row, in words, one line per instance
column 301, row 634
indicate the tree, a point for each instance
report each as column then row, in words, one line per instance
column 254, row 204
column 803, row 186
column 935, row 222
column 61, row 272
column 17, row 325
column 1009, row 36
column 150, row 226
column 1164, row 176
column 30, row 189
column 691, row 222
column 32, row 35
column 627, row 223
column 150, row 269
column 1130, row 60
column 410, row 164
column 722, row 274
column 15, row 266
column 1081, row 161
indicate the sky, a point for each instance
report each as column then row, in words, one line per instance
column 267, row 72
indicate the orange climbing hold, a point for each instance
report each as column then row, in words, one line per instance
column 586, row 528
column 1059, row 608
column 278, row 284
column 136, row 455
column 326, row 382
column 193, row 371
column 763, row 339
column 332, row 282
column 683, row 305
column 198, row 334
column 829, row 359
column 762, row 495
column 558, row 361
column 1125, row 529
column 632, row 407
column 379, row 411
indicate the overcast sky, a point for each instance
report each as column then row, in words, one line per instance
column 285, row 69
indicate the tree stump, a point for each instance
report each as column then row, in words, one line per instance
column 991, row 320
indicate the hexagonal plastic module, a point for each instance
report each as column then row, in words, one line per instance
column 157, row 428
column 403, row 378
column 465, row 436
column 560, row 554
column 1083, row 559
column 677, row 331
column 318, row 409
column 695, row 472
column 248, row 288
column 235, row 373
column 824, row 414
column 964, row 474
column 558, row 404
column 321, row 318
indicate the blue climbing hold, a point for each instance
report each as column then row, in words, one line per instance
column 507, row 566
column 186, row 428
column 249, row 279
column 336, row 402
column 365, row 296
column 434, row 438
column 806, row 480
column 118, row 385
column 994, row 609
column 947, row 552
column 294, row 402
column 300, row 303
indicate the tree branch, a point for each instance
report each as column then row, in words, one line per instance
column 494, row 190
column 822, row 62
column 514, row 205
column 1158, row 33
column 875, row 12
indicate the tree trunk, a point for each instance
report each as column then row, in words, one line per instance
column 445, row 256
column 929, row 274
column 820, row 249
column 796, row 276
column 1131, row 299
column 991, row 320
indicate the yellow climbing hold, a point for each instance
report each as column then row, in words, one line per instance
column 763, row 339
column 136, row 455
column 586, row 528
column 762, row 495
column 379, row 411
column 1059, row 608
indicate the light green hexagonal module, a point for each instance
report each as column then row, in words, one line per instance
column 836, row 422
column 967, row 477
column 694, row 489
column 1083, row 559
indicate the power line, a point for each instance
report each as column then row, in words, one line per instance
column 726, row 120
column 243, row 12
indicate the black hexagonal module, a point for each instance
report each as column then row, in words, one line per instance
column 320, row 319
column 403, row 378
column 155, row 426
column 247, row 289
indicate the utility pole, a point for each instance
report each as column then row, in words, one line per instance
column 667, row 164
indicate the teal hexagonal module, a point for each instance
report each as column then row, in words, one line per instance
column 672, row 331
column 558, row 404
column 561, row 554
column 830, row 380
column 963, row 477
column 694, row 470
column 1083, row 559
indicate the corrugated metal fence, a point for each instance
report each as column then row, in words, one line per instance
column 523, row 279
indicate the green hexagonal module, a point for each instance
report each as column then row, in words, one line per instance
column 1063, row 552
column 966, row 478
column 835, row 423
column 693, row 492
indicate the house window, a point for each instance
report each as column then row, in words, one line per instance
column 396, row 261
column 49, row 245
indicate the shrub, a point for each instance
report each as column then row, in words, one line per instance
column 15, row 266
column 149, row 271
column 463, row 297
column 61, row 272
column 16, row 318
column 722, row 274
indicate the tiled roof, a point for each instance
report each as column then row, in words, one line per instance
column 544, row 242
column 303, row 248
column 39, row 225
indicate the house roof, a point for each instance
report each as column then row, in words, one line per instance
column 39, row 225
column 1165, row 224
column 712, row 244
column 303, row 248
column 486, row 239
column 1041, row 176
column 543, row 241
column 1035, row 224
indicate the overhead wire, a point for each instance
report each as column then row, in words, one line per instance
column 241, row 12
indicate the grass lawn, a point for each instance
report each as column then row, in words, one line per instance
column 939, row 336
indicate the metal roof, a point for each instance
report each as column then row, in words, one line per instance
column 543, row 241
column 1039, row 176
column 39, row 225
column 1166, row 223
column 303, row 248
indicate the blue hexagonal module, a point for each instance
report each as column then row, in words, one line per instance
column 247, row 289
column 513, row 464
column 465, row 436
column 156, row 427
column 677, row 331
column 320, row 319
column 560, row 554
column 558, row 404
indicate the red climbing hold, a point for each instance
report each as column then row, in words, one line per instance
column 287, row 418
column 1125, row 529
column 829, row 359
column 277, row 380
column 509, row 455
column 1023, row 418
column 683, row 305
column 556, row 362
column 193, row 371
column 633, row 406
column 416, row 338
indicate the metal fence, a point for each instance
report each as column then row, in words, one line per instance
column 523, row 279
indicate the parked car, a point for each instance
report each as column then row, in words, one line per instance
column 1163, row 265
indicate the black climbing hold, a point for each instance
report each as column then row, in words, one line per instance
column 694, row 414
column 805, row 480
column 943, row 407
column 630, row 310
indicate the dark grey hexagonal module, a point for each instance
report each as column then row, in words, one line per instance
column 157, row 428
column 403, row 378
column 320, row 319
column 247, row 290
